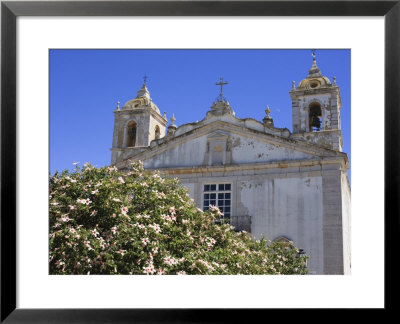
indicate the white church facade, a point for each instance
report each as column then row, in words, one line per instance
column 268, row 181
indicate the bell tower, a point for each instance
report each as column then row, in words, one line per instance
column 135, row 125
column 316, row 106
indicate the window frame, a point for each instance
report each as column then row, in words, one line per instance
column 217, row 191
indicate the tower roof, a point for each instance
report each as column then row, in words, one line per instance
column 315, row 79
column 142, row 100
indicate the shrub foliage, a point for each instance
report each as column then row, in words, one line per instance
column 103, row 221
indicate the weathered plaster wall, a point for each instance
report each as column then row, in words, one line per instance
column 187, row 154
column 248, row 150
column 290, row 207
column 279, row 203
column 331, row 139
column 240, row 149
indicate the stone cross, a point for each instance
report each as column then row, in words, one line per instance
column 145, row 79
column 221, row 83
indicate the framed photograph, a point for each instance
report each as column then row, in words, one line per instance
column 80, row 54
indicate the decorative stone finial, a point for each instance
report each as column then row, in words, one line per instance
column 145, row 79
column 172, row 127
column 268, row 121
column 173, row 120
column 267, row 111
column 165, row 115
column 293, row 84
column 334, row 80
column 314, row 71
column 118, row 105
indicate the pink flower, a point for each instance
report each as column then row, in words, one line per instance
column 116, row 199
column 149, row 269
column 121, row 180
column 84, row 201
column 94, row 192
column 95, row 232
column 87, row 244
column 72, row 207
column 145, row 241
column 65, row 218
column 156, row 228
column 170, row 261
column 124, row 210
column 122, row 252
column 114, row 229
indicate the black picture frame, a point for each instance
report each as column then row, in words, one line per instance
column 10, row 10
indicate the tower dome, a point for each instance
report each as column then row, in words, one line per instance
column 315, row 79
column 142, row 100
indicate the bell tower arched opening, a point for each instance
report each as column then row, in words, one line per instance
column 315, row 117
column 131, row 134
column 157, row 132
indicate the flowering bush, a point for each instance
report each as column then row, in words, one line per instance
column 103, row 221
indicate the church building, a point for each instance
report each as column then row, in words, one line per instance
column 269, row 181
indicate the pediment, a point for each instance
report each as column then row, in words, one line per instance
column 218, row 135
column 224, row 143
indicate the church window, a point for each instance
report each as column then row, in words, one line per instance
column 219, row 195
column 131, row 134
column 315, row 116
column 157, row 132
column 282, row 239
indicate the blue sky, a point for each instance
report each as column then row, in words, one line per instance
column 85, row 86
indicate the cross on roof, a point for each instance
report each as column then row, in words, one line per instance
column 145, row 79
column 221, row 83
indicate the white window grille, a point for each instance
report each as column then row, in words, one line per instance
column 220, row 195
